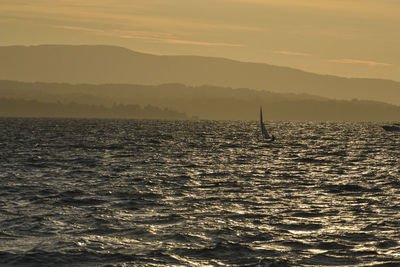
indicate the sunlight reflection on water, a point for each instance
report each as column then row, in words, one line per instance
column 203, row 192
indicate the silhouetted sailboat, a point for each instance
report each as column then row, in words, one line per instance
column 264, row 131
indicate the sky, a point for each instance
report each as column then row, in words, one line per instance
column 351, row 38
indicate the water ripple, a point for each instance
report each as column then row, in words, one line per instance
column 115, row 192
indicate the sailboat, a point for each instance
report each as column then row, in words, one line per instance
column 266, row 135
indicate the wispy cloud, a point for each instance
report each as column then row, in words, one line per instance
column 291, row 53
column 178, row 41
column 147, row 35
column 77, row 28
column 115, row 32
column 361, row 62
column 188, row 42
column 110, row 15
column 361, row 7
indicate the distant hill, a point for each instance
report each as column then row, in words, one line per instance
column 175, row 100
column 109, row 64
column 34, row 108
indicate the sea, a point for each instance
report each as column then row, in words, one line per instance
column 97, row 192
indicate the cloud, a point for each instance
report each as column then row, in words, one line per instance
column 76, row 28
column 147, row 35
column 188, row 42
column 367, row 8
column 128, row 16
column 115, row 32
column 361, row 62
column 179, row 41
column 291, row 53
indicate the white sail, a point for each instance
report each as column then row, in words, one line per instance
column 263, row 130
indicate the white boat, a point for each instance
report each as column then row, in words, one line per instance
column 268, row 137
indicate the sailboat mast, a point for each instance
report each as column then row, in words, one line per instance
column 263, row 130
column 262, row 123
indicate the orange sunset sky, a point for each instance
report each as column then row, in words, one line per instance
column 353, row 38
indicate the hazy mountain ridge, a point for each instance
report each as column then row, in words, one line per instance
column 204, row 102
column 34, row 108
column 109, row 64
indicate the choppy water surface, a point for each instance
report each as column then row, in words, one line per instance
column 129, row 192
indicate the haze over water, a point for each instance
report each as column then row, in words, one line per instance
column 142, row 192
